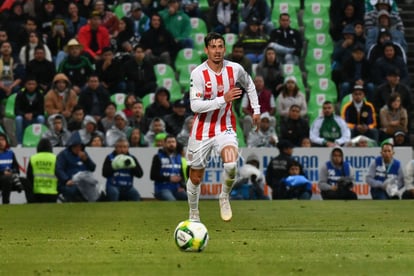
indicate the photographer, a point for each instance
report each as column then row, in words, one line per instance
column 336, row 176
column 119, row 169
column 9, row 171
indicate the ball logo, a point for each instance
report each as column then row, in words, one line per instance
column 120, row 98
column 230, row 38
column 199, row 38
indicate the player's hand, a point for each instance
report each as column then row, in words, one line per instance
column 256, row 121
column 233, row 94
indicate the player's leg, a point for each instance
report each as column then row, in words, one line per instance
column 229, row 155
column 193, row 192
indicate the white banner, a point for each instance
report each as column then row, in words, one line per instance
column 310, row 158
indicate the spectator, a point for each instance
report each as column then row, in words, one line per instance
column 46, row 15
column 74, row 21
column 43, row 69
column 94, row 98
column 278, row 169
column 129, row 102
column 342, row 51
column 94, row 36
column 9, row 170
column 58, row 37
column 182, row 137
column 96, row 141
column 400, row 139
column 259, row 9
column 108, row 18
column 161, row 105
column 27, row 51
column 11, row 72
column 16, row 23
column 75, row 66
column 387, row 63
column 266, row 102
column 109, row 119
column 119, row 168
column 384, row 172
column 225, row 17
column 58, row 134
column 174, row 122
column 393, row 117
column 159, row 44
column 293, row 127
column 336, row 177
column 136, row 139
column 137, row 120
column 360, row 115
column 126, row 32
column 376, row 50
column 29, row 107
column 85, row 8
column 41, row 174
column 167, row 172
column 237, row 55
column 109, row 71
column 140, row 21
column 329, row 130
column 344, row 13
column 89, row 129
column 360, row 33
column 118, row 130
column 408, row 181
column 250, row 181
column 139, row 74
column 76, row 120
column 297, row 185
column 254, row 40
column 265, row 136
column 356, row 71
column 383, row 7
column 392, row 85
column 270, row 68
column 191, row 8
column 305, row 143
column 286, row 41
column 156, row 126
column 178, row 23
column 70, row 161
column 61, row 98
column 290, row 95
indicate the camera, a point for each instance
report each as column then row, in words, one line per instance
column 345, row 183
column 17, row 184
column 127, row 162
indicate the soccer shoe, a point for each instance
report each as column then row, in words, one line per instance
column 194, row 215
column 225, row 208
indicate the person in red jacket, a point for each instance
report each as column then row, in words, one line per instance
column 94, row 36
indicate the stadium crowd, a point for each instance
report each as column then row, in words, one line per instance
column 88, row 72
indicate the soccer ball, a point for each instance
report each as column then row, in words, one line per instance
column 191, row 236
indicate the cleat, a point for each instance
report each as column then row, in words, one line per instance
column 194, row 215
column 225, row 208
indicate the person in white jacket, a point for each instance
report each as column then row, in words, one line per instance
column 408, row 190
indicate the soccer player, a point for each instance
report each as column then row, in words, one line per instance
column 215, row 84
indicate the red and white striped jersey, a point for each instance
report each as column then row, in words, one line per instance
column 212, row 114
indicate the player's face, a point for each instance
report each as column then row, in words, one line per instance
column 215, row 50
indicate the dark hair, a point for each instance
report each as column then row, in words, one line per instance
column 77, row 107
column 110, row 103
column 294, row 163
column 392, row 99
column 138, row 46
column 44, row 145
column 238, row 44
column 284, row 14
column 169, row 136
column 213, row 36
column 327, row 102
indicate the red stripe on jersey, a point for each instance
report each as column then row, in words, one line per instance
column 200, row 125
column 207, row 85
column 207, row 95
column 214, row 117
column 229, row 105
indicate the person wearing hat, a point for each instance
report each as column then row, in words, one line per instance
column 336, row 177
column 392, row 85
column 384, row 172
column 141, row 22
column 58, row 133
column 9, row 170
column 250, row 181
column 329, row 129
column 156, row 126
column 400, row 139
column 75, row 66
column 356, row 71
column 278, row 169
column 289, row 95
column 89, row 129
column 61, row 98
column 178, row 23
column 161, row 106
column 121, row 128
column 41, row 174
column 266, row 135
column 174, row 122
column 94, row 36
column 371, row 18
column 360, row 115
column 119, row 168
column 58, row 36
column 70, row 161
column 108, row 19
column 254, row 40
column 286, row 41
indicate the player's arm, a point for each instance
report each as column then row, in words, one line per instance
column 197, row 102
column 246, row 81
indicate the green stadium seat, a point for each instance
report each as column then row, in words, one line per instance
column 198, row 25
column 9, row 108
column 119, row 100
column 318, row 70
column 323, row 86
column 290, row 8
column 184, row 77
column 291, row 70
column 319, row 40
column 186, row 56
column 318, row 55
column 203, row 5
column 230, row 40
column 316, row 100
column 122, row 10
column 163, row 70
column 173, row 86
column 317, row 7
column 148, row 99
column 32, row 134
column 345, row 99
column 198, row 39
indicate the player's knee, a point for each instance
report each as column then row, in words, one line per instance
column 196, row 177
column 230, row 169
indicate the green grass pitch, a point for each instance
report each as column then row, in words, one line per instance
column 264, row 238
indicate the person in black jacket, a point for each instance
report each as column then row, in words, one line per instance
column 139, row 73
column 293, row 127
column 174, row 122
column 29, row 107
column 109, row 71
column 94, row 98
column 42, row 69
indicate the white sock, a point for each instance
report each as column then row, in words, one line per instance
column 193, row 194
column 229, row 177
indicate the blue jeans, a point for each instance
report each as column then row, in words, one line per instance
column 71, row 194
column 169, row 195
column 117, row 193
column 22, row 123
column 378, row 193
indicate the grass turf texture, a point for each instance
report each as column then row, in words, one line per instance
column 264, row 238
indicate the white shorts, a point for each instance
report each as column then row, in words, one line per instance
column 199, row 151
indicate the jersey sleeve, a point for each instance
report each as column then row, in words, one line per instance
column 246, row 81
